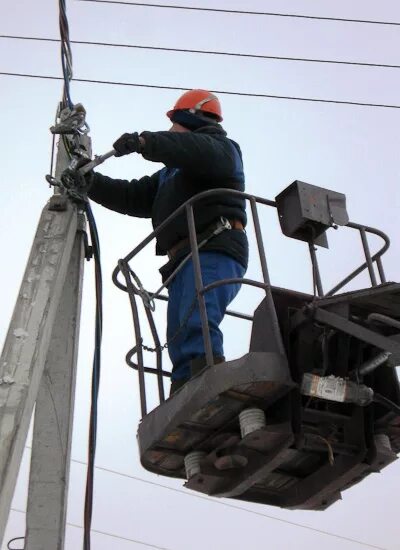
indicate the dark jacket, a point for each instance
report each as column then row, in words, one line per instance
column 194, row 162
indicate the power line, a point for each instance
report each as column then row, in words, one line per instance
column 242, row 12
column 226, row 504
column 221, row 92
column 221, row 503
column 205, row 52
column 105, row 533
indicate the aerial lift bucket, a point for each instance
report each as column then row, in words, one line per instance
column 312, row 408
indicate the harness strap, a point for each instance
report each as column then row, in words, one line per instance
column 214, row 229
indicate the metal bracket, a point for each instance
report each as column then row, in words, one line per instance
column 82, row 229
column 72, row 121
column 58, row 203
column 351, row 328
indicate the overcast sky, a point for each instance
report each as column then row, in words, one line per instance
column 352, row 149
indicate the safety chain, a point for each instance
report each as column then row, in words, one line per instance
column 177, row 333
column 149, row 302
column 148, row 297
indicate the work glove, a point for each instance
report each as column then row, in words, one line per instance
column 126, row 144
column 74, row 181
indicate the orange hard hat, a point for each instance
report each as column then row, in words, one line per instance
column 198, row 101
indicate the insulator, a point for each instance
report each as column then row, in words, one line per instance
column 251, row 420
column 192, row 463
column 382, row 441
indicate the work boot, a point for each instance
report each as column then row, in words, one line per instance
column 176, row 385
column 196, row 365
column 199, row 363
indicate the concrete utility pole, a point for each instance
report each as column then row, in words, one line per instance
column 38, row 366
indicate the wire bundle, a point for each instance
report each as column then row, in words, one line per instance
column 66, row 53
column 95, row 377
column 66, row 62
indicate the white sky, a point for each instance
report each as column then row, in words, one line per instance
column 350, row 149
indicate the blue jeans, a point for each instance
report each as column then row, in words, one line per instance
column 182, row 291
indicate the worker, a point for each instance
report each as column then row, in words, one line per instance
column 197, row 156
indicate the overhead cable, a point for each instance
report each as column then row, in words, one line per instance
column 222, row 92
column 220, row 502
column 235, row 507
column 66, row 63
column 66, row 54
column 11, row 541
column 96, row 369
column 104, row 533
column 206, row 52
column 243, row 12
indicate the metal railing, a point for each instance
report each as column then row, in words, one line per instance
column 187, row 208
column 377, row 257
